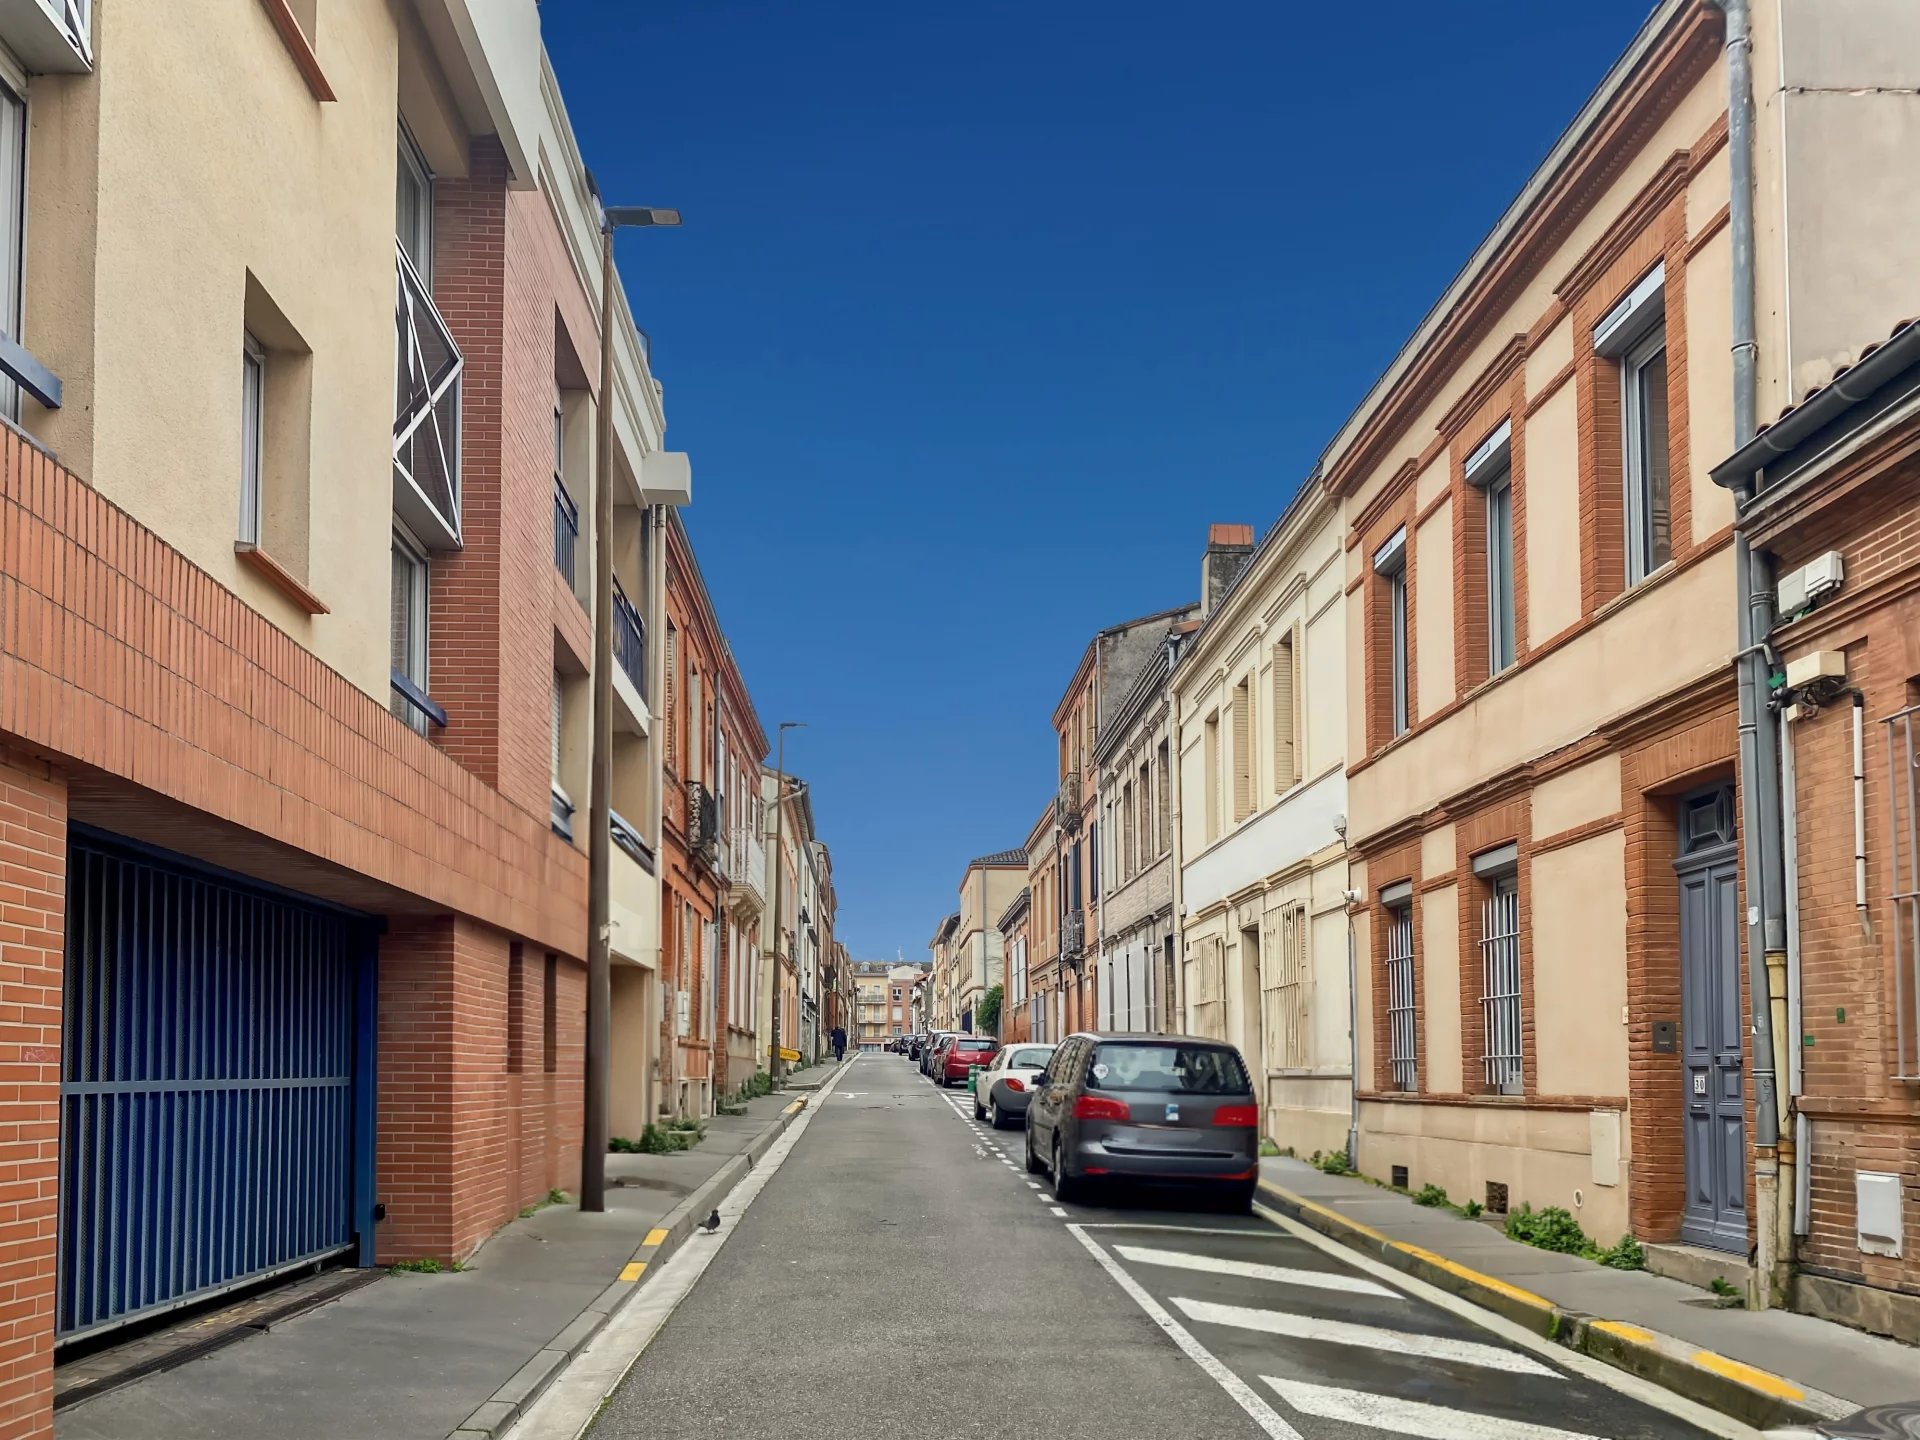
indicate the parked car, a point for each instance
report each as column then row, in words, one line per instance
column 936, row 1053
column 934, row 1037
column 911, row 1046
column 961, row 1054
column 1883, row 1422
column 1001, row 1094
column 1172, row 1110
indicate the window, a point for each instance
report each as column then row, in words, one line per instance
column 1128, row 838
column 1242, row 751
column 1212, row 775
column 409, row 633
column 1160, row 799
column 1634, row 334
column 550, row 1016
column 428, row 365
column 13, row 218
column 562, row 802
column 253, row 389
column 1283, row 989
column 1489, row 469
column 1286, row 715
column 1649, row 501
column 413, row 207
column 1500, row 972
column 673, row 690
column 1401, row 1057
column 1390, row 564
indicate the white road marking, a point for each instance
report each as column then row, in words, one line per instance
column 1409, row 1417
column 1247, row 1270
column 1367, row 1337
column 1667, row 1402
column 1045, row 1199
column 1244, row 1395
column 1033, row 1184
column 1060, row 1211
column 1179, row 1229
column 571, row 1402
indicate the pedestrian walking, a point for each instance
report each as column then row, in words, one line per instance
column 839, row 1037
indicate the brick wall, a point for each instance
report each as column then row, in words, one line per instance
column 33, row 862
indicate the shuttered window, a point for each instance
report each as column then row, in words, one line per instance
column 1242, row 751
column 1286, row 748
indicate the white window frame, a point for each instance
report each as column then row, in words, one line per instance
column 413, row 170
column 415, row 661
column 1390, row 563
column 13, row 224
column 1501, row 1006
column 1642, row 560
column 1403, row 1059
column 253, row 423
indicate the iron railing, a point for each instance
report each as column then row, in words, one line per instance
column 1500, row 999
column 629, row 640
column 562, row 816
column 629, row 840
column 1903, row 894
column 566, row 534
column 1400, row 999
column 426, row 407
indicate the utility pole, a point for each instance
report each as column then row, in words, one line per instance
column 593, row 1141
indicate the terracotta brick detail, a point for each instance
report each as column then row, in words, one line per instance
column 33, row 867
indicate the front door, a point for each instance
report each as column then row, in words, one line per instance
column 1711, row 1025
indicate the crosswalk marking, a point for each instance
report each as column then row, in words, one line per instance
column 1409, row 1417
column 1246, row 1269
column 1341, row 1332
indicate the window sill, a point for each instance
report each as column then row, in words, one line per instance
column 299, row 47
column 278, row 576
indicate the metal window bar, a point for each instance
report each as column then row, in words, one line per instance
column 566, row 533
column 629, row 640
column 1400, row 999
column 426, row 410
column 1903, row 895
column 1500, row 1000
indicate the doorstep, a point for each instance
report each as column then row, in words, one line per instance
column 1740, row 1363
column 425, row 1357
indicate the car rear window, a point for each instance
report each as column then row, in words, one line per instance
column 975, row 1044
column 1182, row 1069
column 1032, row 1057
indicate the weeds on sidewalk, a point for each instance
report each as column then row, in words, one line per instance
column 666, row 1138
column 1334, row 1162
column 427, row 1266
column 1556, row 1230
column 1268, row 1149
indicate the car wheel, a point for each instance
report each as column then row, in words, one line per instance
column 1238, row 1200
column 1034, row 1167
column 1065, row 1187
column 993, row 1115
column 979, row 1111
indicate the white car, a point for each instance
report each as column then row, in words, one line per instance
column 1003, row 1090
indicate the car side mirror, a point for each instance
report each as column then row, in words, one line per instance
column 1040, row 1081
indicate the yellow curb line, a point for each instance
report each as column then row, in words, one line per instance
column 1474, row 1277
column 1333, row 1215
column 633, row 1270
column 796, row 1107
column 654, row 1237
column 1764, row 1381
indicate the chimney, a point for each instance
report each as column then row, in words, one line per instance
column 1229, row 547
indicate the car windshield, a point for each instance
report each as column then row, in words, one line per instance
column 973, row 1044
column 1186, row 1069
column 1029, row 1057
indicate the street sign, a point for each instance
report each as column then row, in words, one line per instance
column 787, row 1055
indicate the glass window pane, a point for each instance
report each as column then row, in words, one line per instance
column 1397, row 589
column 1500, row 575
column 1658, row 532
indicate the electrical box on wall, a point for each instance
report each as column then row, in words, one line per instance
column 1803, row 670
column 1800, row 588
column 1878, row 1206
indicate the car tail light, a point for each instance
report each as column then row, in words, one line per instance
column 1092, row 1107
column 1014, row 1082
column 1237, row 1115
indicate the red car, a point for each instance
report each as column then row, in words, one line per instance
column 960, row 1055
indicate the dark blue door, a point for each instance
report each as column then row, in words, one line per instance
column 1713, row 1026
column 209, row 1120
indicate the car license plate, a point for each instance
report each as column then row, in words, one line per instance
column 1173, row 1112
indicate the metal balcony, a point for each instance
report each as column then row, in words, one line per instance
column 1070, row 802
column 629, row 640
column 566, row 535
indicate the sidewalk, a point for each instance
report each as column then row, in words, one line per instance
column 421, row 1357
column 1759, row 1368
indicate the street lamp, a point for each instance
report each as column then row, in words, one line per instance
column 593, row 1149
column 779, row 839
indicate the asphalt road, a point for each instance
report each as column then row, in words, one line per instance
column 901, row 1275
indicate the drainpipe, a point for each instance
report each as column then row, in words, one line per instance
column 1759, row 739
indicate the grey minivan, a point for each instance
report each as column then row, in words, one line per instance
column 1158, row 1109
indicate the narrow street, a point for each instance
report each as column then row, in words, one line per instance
column 901, row 1274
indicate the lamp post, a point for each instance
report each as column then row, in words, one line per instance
column 593, row 1148
column 779, row 839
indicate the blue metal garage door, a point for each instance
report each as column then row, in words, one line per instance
column 215, row 1093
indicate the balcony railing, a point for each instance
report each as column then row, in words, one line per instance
column 628, row 839
column 562, row 817
column 566, row 534
column 426, row 411
column 629, row 639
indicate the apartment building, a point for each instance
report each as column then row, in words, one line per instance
column 943, row 955
column 1259, row 719
column 1045, row 995
column 291, row 652
column 1101, row 681
column 976, row 950
column 799, row 945
column 1566, row 960
column 1133, row 760
column 885, row 1001
column 712, row 746
column 1014, row 923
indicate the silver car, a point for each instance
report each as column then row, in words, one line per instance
column 1002, row 1090
column 1159, row 1109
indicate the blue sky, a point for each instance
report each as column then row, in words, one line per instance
column 983, row 311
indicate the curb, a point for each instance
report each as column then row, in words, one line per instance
column 1753, row 1396
column 529, row 1382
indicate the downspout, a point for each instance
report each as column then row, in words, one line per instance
column 1799, row 1193
column 1351, row 898
column 1759, row 740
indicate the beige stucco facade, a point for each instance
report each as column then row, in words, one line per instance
column 1262, row 870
